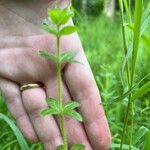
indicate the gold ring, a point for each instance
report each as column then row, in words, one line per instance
column 30, row 86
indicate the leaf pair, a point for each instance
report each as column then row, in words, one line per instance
column 46, row 26
column 60, row 16
column 64, row 58
column 48, row 56
column 64, row 31
column 66, row 110
column 74, row 147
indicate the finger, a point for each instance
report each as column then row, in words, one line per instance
column 14, row 103
column 45, row 127
column 82, row 86
column 75, row 130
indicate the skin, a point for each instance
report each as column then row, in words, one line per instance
column 21, row 38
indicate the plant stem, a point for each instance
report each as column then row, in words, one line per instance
column 125, row 43
column 127, row 71
column 132, row 125
column 59, row 92
column 137, row 24
column 125, row 124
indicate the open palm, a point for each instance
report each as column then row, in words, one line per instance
column 20, row 64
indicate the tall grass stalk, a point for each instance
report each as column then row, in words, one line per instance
column 130, row 76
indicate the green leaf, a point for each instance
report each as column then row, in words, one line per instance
column 147, row 141
column 128, row 11
column 48, row 56
column 71, row 105
column 78, row 147
column 125, row 146
column 145, row 24
column 73, row 114
column 75, row 61
column 66, row 15
column 9, row 144
column 68, row 30
column 60, row 16
column 146, row 42
column 139, row 134
column 123, row 96
column 49, row 111
column 137, row 27
column 146, row 17
column 47, row 28
column 68, row 57
column 54, row 15
column 144, row 89
column 21, row 140
column 129, row 26
column 53, row 103
column 60, row 147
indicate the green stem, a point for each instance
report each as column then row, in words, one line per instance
column 125, row 123
column 59, row 92
column 63, row 131
column 124, row 42
column 128, row 79
column 128, row 74
column 132, row 125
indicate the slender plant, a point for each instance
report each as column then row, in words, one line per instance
column 59, row 17
column 130, row 65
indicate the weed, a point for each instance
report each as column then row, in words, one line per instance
column 59, row 17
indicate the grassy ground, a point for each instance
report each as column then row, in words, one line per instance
column 102, row 41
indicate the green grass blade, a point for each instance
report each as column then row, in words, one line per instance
column 116, row 146
column 144, row 89
column 146, row 42
column 126, row 94
column 8, row 144
column 140, row 133
column 137, row 26
column 127, row 9
column 21, row 140
column 147, row 11
column 147, row 141
column 144, row 25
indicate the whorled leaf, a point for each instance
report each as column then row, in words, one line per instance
column 67, row 30
column 73, row 114
column 68, row 57
column 53, row 103
column 48, row 56
column 78, row 147
column 60, row 16
column 60, row 147
column 50, row 111
column 71, row 105
column 46, row 27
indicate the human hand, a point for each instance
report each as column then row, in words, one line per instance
column 20, row 64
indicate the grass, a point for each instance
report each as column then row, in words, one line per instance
column 102, row 41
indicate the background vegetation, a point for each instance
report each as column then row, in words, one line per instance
column 102, row 40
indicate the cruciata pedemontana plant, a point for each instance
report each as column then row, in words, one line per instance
column 55, row 24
